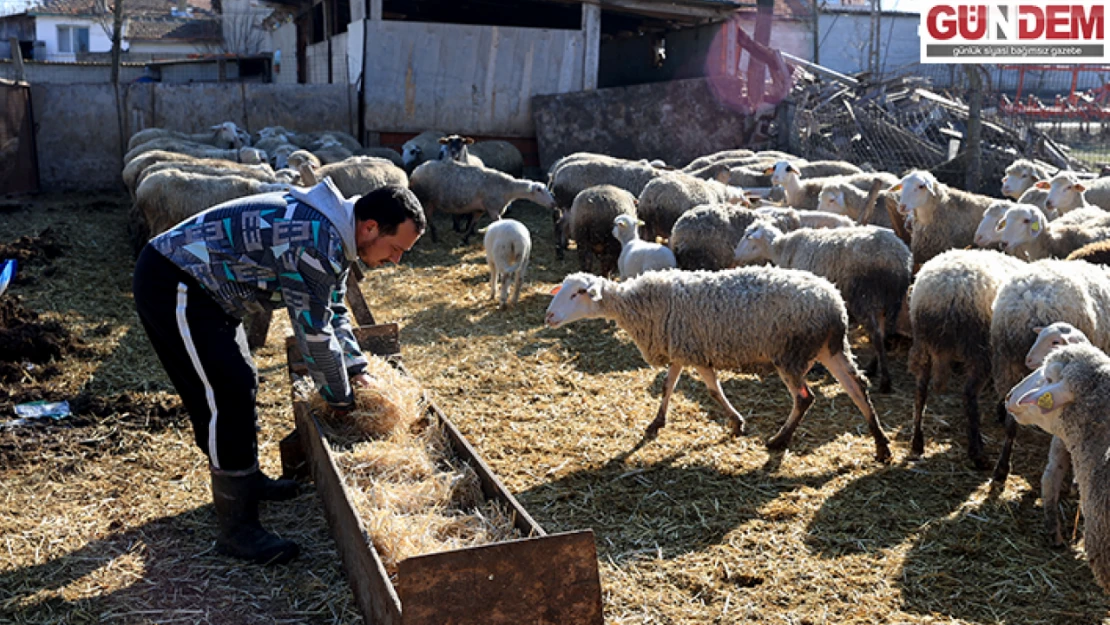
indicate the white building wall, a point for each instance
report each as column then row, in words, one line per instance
column 170, row 49
column 283, row 43
column 46, row 29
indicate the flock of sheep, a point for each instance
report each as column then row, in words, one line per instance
column 746, row 261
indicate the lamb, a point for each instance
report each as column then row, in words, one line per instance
column 705, row 237
column 500, row 155
column 804, row 193
column 1021, row 176
column 844, row 198
column 870, row 266
column 1041, row 293
column 1067, row 397
column 742, row 319
column 508, row 246
column 471, row 190
column 1026, row 233
column 943, row 217
column 1067, row 193
column 136, row 166
column 950, row 312
column 223, row 136
column 638, row 256
column 300, row 158
column 817, row 169
column 419, row 149
column 665, row 198
column 250, row 156
column 166, row 198
column 590, row 221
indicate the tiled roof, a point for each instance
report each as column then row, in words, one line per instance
column 173, row 28
column 131, row 8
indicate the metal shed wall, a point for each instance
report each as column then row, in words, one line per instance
column 467, row 79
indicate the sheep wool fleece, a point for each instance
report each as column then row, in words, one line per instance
column 194, row 283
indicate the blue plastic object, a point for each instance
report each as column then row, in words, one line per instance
column 7, row 272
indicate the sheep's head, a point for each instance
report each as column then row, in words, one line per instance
column 987, row 233
column 410, row 154
column 781, row 171
column 577, row 298
column 1050, row 338
column 755, row 245
column 1020, row 176
column 453, row 147
column 624, row 228
column 279, row 158
column 1065, row 192
column 1019, row 226
column 540, row 194
column 916, row 191
column 831, row 200
column 1070, row 372
column 228, row 136
column 252, row 156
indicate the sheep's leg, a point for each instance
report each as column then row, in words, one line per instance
column 848, row 376
column 1052, row 484
column 505, row 283
column 668, row 387
column 878, row 342
column 560, row 233
column 709, row 376
column 1002, row 467
column 803, row 399
column 429, row 215
column 517, row 279
column 921, row 363
column 493, row 277
column 976, row 378
column 473, row 225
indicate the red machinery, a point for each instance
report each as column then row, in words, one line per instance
column 1089, row 105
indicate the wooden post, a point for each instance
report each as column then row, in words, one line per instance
column 591, row 31
column 17, row 58
column 973, row 145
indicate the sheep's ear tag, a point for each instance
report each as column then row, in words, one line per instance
column 555, row 291
column 1036, row 227
column 1044, row 402
column 768, row 171
column 897, row 187
column 1043, row 185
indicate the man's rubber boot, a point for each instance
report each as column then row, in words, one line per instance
column 235, row 496
column 270, row 489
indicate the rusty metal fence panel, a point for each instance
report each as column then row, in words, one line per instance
column 18, row 161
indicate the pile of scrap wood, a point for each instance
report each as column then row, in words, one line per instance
column 899, row 124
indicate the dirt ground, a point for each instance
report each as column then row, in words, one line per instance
column 106, row 514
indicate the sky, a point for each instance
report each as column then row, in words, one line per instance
column 909, row 6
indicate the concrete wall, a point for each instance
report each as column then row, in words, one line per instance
column 316, row 60
column 69, row 73
column 284, row 40
column 469, row 79
column 676, row 121
column 165, row 49
column 78, row 132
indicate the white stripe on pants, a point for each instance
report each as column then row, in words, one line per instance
column 209, row 395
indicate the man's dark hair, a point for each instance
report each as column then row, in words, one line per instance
column 390, row 206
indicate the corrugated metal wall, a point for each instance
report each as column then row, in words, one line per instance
column 469, row 79
column 18, row 163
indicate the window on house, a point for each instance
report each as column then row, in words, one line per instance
column 73, row 39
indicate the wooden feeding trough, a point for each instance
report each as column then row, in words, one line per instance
column 540, row 579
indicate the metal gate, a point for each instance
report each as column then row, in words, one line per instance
column 19, row 171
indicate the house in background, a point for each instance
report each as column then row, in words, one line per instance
column 79, row 30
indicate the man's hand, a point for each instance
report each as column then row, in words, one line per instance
column 360, row 381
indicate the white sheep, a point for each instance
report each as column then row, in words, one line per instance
column 1067, row 397
column 665, row 198
column 1021, row 176
column 844, row 198
column 455, row 148
column 423, row 147
column 357, row 175
column 573, row 177
column 508, row 246
column 942, row 217
column 805, row 193
column 1025, row 232
column 987, row 232
column 950, row 315
column 166, row 198
column 638, row 256
column 870, row 266
column 805, row 218
column 250, row 156
column 134, row 168
column 1066, row 192
column 456, row 189
column 500, row 155
column 223, row 136
column 1041, row 293
column 741, row 319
